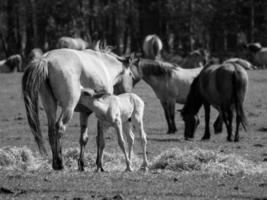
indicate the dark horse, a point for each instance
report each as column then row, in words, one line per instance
column 222, row 86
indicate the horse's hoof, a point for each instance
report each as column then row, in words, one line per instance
column 236, row 140
column 143, row 169
column 205, row 138
column 128, row 169
column 80, row 165
column 57, row 166
column 229, row 139
column 189, row 138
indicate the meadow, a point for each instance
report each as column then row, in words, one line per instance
column 178, row 169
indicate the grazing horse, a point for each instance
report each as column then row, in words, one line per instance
column 152, row 47
column 58, row 77
column 11, row 64
column 120, row 112
column 170, row 83
column 222, row 86
column 258, row 54
column 72, row 43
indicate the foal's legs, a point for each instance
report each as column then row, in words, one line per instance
column 83, row 138
column 118, row 127
column 207, row 122
column 127, row 129
column 138, row 123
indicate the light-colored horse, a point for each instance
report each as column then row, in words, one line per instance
column 11, row 64
column 222, row 86
column 121, row 112
column 35, row 53
column 152, row 47
column 58, row 77
column 72, row 43
column 243, row 63
column 258, row 54
column 170, row 83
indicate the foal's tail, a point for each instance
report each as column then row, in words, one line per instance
column 239, row 92
column 34, row 76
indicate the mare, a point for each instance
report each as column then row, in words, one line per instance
column 58, row 76
column 152, row 47
column 170, row 83
column 222, row 86
column 72, row 43
column 11, row 64
column 121, row 112
column 258, row 54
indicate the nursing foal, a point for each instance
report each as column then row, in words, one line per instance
column 119, row 112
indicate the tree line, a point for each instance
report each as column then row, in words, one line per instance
column 221, row 26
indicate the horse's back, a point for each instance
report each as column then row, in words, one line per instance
column 216, row 82
column 70, row 69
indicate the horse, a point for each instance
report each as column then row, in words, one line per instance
column 195, row 59
column 170, row 83
column 242, row 62
column 35, row 53
column 152, row 47
column 120, row 112
column 11, row 64
column 58, row 77
column 72, row 43
column 258, row 54
column 223, row 86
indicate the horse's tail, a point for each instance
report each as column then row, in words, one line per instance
column 239, row 93
column 34, row 76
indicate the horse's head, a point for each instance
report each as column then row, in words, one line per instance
column 191, row 123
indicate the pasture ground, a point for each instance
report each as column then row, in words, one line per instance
column 215, row 169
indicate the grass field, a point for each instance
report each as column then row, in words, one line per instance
column 179, row 169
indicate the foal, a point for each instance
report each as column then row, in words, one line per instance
column 120, row 112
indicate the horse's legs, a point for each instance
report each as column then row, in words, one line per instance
column 50, row 107
column 167, row 113
column 228, row 118
column 207, row 122
column 171, row 107
column 138, row 123
column 83, row 138
column 121, row 142
column 236, row 139
column 100, row 143
column 218, row 124
column 127, row 129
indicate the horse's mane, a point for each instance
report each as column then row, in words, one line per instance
column 156, row 68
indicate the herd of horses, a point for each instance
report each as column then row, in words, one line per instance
column 86, row 81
